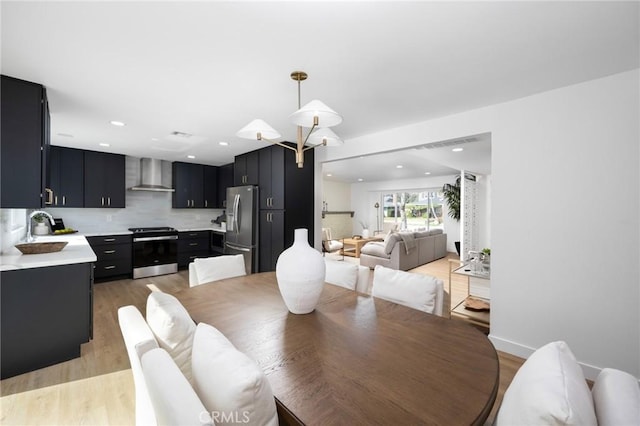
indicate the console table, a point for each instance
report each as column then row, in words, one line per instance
column 480, row 318
column 356, row 359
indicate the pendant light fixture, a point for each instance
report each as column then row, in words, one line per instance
column 315, row 116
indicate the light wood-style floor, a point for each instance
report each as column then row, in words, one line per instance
column 97, row 388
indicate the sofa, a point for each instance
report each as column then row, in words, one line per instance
column 405, row 250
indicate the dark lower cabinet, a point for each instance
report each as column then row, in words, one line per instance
column 192, row 245
column 25, row 136
column 46, row 314
column 271, row 238
column 114, row 253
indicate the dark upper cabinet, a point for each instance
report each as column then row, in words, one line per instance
column 245, row 169
column 25, row 136
column 210, row 187
column 271, row 180
column 104, row 180
column 66, row 177
column 188, row 182
column 225, row 180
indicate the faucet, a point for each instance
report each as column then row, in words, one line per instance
column 29, row 236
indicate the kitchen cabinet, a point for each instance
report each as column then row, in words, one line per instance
column 66, row 177
column 191, row 245
column 25, row 134
column 272, row 228
column 245, row 169
column 188, row 182
column 271, row 177
column 104, row 180
column 225, row 180
column 114, row 253
column 210, row 186
column 46, row 314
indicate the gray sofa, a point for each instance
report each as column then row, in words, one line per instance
column 392, row 253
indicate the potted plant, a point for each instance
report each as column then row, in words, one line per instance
column 451, row 194
column 41, row 227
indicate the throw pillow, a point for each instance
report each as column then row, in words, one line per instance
column 416, row 291
column 549, row 388
column 228, row 382
column 172, row 327
column 616, row 396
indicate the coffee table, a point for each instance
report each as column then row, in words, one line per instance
column 355, row 244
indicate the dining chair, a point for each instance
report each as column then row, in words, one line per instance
column 216, row 268
column 417, row 291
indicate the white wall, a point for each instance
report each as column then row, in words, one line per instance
column 572, row 273
column 337, row 195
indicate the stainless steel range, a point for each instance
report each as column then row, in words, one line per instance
column 155, row 251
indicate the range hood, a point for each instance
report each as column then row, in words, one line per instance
column 151, row 176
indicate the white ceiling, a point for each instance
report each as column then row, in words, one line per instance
column 208, row 68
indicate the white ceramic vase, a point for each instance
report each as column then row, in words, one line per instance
column 300, row 272
column 365, row 233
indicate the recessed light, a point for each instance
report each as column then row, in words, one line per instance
column 117, row 123
column 223, row 143
column 155, row 139
column 191, row 156
column 329, row 175
column 104, row 144
column 360, row 179
column 427, row 173
column 457, row 149
column 399, row 166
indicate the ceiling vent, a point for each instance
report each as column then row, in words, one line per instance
column 452, row 142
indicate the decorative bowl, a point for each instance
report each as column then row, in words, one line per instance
column 39, row 248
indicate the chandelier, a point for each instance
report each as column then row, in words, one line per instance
column 315, row 116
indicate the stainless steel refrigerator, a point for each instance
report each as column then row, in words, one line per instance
column 242, row 225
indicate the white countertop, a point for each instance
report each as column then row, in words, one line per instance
column 77, row 251
column 101, row 233
column 213, row 228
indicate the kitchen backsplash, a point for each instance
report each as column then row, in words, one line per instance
column 143, row 209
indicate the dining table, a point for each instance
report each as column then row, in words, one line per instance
column 356, row 359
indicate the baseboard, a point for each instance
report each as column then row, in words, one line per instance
column 523, row 351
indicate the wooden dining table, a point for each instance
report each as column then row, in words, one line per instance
column 355, row 359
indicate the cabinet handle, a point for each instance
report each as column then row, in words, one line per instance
column 109, row 201
column 193, row 244
column 102, row 201
column 109, row 251
column 55, row 200
column 206, row 203
column 109, row 240
column 110, row 267
column 193, row 235
column 49, row 193
column 64, row 200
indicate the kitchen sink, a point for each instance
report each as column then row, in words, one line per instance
column 40, row 248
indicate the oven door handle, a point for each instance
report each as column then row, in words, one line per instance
column 165, row 237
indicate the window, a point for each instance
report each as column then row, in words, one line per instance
column 413, row 211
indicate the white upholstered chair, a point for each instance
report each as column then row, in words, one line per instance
column 417, row 291
column 329, row 245
column 347, row 275
column 216, row 268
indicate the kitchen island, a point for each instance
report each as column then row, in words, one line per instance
column 46, row 305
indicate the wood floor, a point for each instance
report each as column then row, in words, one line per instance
column 97, row 388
